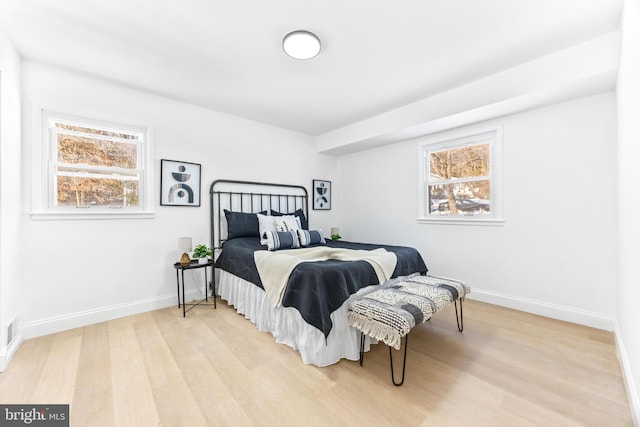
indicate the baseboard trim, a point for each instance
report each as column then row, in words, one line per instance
column 554, row 311
column 55, row 324
column 627, row 375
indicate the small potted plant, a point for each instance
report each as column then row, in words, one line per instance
column 202, row 253
column 335, row 233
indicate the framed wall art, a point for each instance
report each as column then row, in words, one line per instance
column 179, row 183
column 321, row 194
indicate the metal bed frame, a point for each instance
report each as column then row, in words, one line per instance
column 250, row 197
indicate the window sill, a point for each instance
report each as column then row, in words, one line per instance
column 462, row 221
column 90, row 215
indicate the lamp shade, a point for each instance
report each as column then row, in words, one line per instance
column 335, row 230
column 184, row 245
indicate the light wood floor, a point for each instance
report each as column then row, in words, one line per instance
column 508, row 368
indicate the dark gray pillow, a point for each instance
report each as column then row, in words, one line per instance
column 242, row 224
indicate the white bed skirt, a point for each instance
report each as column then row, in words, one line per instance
column 288, row 327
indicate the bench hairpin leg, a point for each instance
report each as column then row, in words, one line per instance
column 361, row 348
column 404, row 362
column 459, row 321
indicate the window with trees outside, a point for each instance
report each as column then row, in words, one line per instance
column 95, row 167
column 460, row 179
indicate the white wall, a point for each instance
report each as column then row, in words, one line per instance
column 555, row 254
column 628, row 96
column 91, row 270
column 10, row 195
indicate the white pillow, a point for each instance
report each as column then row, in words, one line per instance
column 265, row 223
column 287, row 223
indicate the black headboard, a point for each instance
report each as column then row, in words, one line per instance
column 251, row 197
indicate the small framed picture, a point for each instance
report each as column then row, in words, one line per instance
column 321, row 194
column 179, row 183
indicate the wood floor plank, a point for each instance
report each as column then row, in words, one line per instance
column 93, row 400
column 215, row 368
column 58, row 379
column 132, row 395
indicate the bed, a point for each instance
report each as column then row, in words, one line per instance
column 308, row 312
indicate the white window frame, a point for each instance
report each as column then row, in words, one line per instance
column 457, row 139
column 44, row 182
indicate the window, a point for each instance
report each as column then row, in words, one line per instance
column 460, row 179
column 94, row 168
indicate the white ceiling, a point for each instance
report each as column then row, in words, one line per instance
column 226, row 55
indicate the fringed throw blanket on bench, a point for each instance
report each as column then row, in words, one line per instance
column 389, row 314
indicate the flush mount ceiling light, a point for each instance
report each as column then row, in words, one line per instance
column 301, row 44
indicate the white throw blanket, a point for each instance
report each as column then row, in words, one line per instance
column 275, row 268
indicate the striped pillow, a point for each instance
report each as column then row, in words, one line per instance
column 311, row 237
column 282, row 240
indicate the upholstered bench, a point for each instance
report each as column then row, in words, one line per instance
column 388, row 314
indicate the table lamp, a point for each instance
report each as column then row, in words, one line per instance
column 184, row 246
